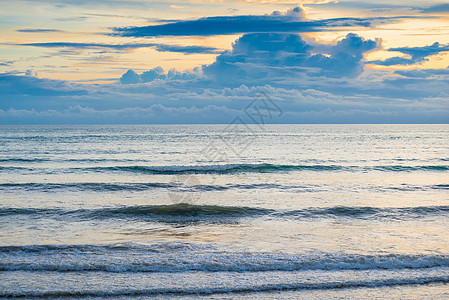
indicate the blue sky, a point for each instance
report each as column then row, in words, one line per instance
column 139, row 62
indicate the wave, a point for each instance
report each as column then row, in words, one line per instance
column 262, row 168
column 441, row 186
column 178, row 213
column 88, row 186
column 59, row 160
column 15, row 168
column 179, row 258
column 174, row 186
column 239, row 169
column 217, row 169
column 179, row 185
column 70, row 249
column 184, row 212
column 142, row 186
column 365, row 212
column 400, row 168
column 16, row 159
column 208, row 291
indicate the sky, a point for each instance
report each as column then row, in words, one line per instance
column 205, row 61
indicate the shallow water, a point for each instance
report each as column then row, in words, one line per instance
column 280, row 211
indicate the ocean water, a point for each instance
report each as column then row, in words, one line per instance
column 219, row 211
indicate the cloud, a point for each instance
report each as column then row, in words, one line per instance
column 310, row 82
column 6, row 62
column 126, row 4
column 31, row 73
column 441, row 8
column 130, row 77
column 31, row 100
column 122, row 47
column 267, row 56
column 416, row 55
column 38, row 30
column 424, row 73
column 72, row 19
column 272, row 57
column 158, row 73
column 186, row 49
column 291, row 21
column 32, row 86
column 345, row 58
column 223, row 106
column 419, row 52
column 154, row 114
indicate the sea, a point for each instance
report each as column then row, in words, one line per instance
column 232, row 211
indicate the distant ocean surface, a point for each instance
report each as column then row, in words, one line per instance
column 220, row 211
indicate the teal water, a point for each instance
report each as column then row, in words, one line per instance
column 279, row 211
